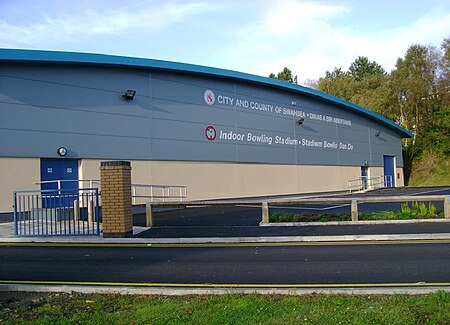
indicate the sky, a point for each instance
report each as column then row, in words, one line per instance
column 257, row 37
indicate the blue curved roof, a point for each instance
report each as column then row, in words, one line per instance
column 13, row 55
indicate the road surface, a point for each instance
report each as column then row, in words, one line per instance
column 275, row 265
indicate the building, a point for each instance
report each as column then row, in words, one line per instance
column 221, row 133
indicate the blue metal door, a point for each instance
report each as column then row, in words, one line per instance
column 389, row 171
column 63, row 173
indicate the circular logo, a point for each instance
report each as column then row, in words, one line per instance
column 209, row 97
column 210, row 133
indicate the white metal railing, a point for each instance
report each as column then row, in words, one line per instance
column 140, row 193
column 158, row 192
column 372, row 183
column 93, row 183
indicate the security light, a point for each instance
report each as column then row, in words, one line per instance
column 129, row 94
column 378, row 134
column 300, row 121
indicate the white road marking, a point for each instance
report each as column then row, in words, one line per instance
column 432, row 191
column 299, row 208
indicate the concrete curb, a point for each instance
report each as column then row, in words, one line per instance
column 182, row 291
column 352, row 223
column 229, row 240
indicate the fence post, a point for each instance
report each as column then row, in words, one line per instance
column 148, row 214
column 354, row 210
column 76, row 210
column 90, row 210
column 265, row 213
column 117, row 212
column 447, row 207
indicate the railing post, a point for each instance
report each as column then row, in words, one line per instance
column 133, row 187
column 90, row 210
column 16, row 226
column 265, row 213
column 447, row 207
column 354, row 209
column 76, row 210
column 148, row 214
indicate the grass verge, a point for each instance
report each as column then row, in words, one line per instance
column 281, row 216
column 430, row 171
column 40, row 308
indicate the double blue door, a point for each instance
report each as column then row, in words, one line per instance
column 59, row 174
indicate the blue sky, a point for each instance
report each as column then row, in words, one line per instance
column 250, row 36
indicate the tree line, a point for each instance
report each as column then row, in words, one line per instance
column 415, row 95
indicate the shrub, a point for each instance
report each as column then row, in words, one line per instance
column 432, row 212
column 422, row 210
column 406, row 210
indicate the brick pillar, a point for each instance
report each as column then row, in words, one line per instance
column 117, row 216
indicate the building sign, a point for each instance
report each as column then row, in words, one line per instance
column 262, row 138
column 249, row 137
column 210, row 98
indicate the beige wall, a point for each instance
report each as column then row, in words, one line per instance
column 204, row 180
column 223, row 180
column 17, row 174
column 379, row 171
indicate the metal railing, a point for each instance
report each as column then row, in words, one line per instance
column 352, row 201
column 92, row 183
column 372, row 183
column 56, row 212
column 140, row 193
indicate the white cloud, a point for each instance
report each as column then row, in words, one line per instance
column 256, row 36
column 79, row 23
column 315, row 44
column 294, row 16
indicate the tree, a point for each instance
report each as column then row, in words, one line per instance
column 416, row 95
column 438, row 135
column 286, row 75
column 311, row 83
column 335, row 74
column 364, row 83
column 362, row 67
column 414, row 99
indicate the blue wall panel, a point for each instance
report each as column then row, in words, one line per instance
column 43, row 107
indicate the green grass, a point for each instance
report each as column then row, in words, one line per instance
column 280, row 216
column 430, row 171
column 39, row 308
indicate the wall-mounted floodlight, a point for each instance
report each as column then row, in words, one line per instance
column 378, row 134
column 300, row 121
column 294, row 103
column 366, row 162
column 129, row 94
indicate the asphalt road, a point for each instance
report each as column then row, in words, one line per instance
column 196, row 231
column 303, row 264
column 243, row 221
